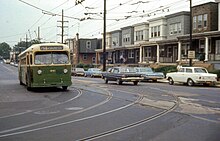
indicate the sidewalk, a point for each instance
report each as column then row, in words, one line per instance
column 166, row 81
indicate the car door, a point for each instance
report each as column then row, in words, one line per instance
column 114, row 73
column 188, row 74
column 179, row 75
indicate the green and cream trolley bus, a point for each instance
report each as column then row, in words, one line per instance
column 45, row 65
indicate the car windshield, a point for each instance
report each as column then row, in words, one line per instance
column 51, row 57
column 145, row 70
column 127, row 70
column 200, row 70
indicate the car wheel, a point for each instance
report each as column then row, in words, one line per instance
column 106, row 80
column 190, row 82
column 170, row 81
column 135, row 82
column 85, row 75
column 119, row 82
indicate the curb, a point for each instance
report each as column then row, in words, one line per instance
column 166, row 81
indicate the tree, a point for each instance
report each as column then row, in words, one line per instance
column 5, row 50
column 27, row 44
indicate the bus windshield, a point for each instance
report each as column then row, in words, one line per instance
column 51, row 57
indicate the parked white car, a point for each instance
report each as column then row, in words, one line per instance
column 191, row 76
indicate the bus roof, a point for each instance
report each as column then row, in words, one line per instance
column 38, row 47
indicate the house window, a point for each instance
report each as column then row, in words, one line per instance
column 148, row 52
column 162, row 51
column 88, row 44
column 152, row 32
column 169, row 51
column 201, row 46
column 194, row 22
column 93, row 60
column 155, row 31
column 130, row 53
column 158, row 31
column 114, row 41
column 217, row 46
column 200, row 21
column 175, row 28
column 84, row 56
column 171, row 29
column 205, row 18
column 179, row 27
column 126, row 38
column 139, row 35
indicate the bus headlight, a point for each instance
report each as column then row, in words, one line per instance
column 65, row 70
column 39, row 72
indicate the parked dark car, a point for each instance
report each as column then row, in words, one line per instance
column 122, row 74
column 149, row 74
column 93, row 72
column 78, row 72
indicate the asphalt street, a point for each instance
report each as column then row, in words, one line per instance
column 93, row 110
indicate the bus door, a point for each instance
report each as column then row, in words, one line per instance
column 28, row 77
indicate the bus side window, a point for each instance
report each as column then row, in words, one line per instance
column 27, row 59
column 31, row 62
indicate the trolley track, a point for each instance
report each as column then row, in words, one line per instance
column 120, row 129
column 140, row 122
column 79, row 93
column 12, row 132
column 109, row 96
column 140, row 95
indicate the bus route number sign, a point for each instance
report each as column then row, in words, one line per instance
column 51, row 48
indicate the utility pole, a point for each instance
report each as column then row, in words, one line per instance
column 190, row 34
column 62, row 28
column 26, row 41
column 104, row 38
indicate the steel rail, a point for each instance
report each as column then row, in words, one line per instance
column 35, row 110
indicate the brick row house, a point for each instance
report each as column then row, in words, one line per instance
column 166, row 39
column 83, row 50
column 162, row 40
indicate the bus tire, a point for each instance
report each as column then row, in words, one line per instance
column 64, row 88
column 28, row 88
column 135, row 82
column 21, row 83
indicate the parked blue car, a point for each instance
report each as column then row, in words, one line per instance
column 93, row 72
column 149, row 74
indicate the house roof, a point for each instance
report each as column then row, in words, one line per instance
column 200, row 35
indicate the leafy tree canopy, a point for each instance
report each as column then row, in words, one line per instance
column 4, row 50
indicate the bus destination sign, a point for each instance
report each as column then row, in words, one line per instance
column 51, row 48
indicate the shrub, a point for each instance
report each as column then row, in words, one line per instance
column 166, row 69
column 85, row 66
column 216, row 72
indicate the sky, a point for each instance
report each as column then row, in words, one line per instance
column 21, row 18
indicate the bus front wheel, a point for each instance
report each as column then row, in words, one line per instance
column 64, row 88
